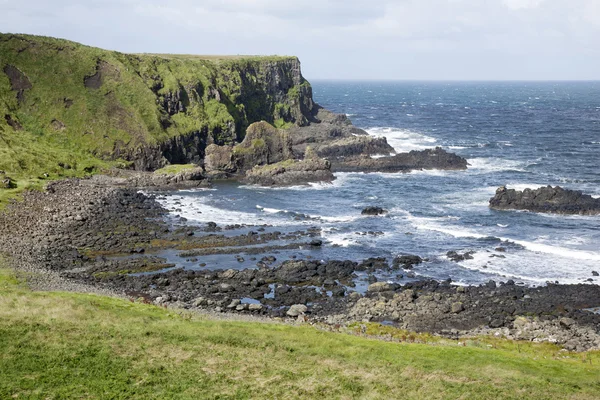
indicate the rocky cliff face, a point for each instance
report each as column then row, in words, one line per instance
column 150, row 110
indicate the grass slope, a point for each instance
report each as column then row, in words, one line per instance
column 65, row 345
column 53, row 124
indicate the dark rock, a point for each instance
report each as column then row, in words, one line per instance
column 546, row 200
column 288, row 173
column 373, row 211
column 456, row 257
column 415, row 160
column 407, row 261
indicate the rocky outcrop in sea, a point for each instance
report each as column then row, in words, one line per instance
column 546, row 199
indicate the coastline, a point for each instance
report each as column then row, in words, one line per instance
column 97, row 235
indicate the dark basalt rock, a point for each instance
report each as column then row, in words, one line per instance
column 288, row 173
column 404, row 162
column 546, row 200
column 456, row 257
column 407, row 261
column 18, row 81
column 373, row 211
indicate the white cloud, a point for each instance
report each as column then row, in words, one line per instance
column 522, row 4
column 451, row 39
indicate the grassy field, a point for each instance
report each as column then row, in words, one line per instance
column 66, row 345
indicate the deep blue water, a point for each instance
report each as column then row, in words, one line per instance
column 516, row 134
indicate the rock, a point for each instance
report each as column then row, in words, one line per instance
column 456, row 257
column 6, row 182
column 229, row 274
column 566, row 322
column 415, row 160
column 234, row 303
column 407, row 261
column 546, row 199
column 457, row 307
column 219, row 159
column 316, row 242
column 290, row 172
column 296, row 309
column 378, row 287
column 373, row 211
column 255, row 307
column 225, row 287
column 595, row 273
column 200, row 301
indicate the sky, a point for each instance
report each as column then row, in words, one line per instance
column 342, row 39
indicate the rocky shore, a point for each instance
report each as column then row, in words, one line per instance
column 98, row 235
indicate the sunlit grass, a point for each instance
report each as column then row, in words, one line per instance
column 66, row 345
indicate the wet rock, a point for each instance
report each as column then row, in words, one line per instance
column 373, row 211
column 456, row 257
column 407, row 261
column 546, row 200
column 595, row 273
column 415, row 160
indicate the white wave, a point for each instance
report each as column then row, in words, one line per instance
column 403, row 140
column 460, row 232
column 555, row 250
column 503, row 225
column 492, row 164
column 350, row 115
column 343, row 218
column 457, row 147
column 270, row 210
column 336, row 238
column 199, row 209
column 530, row 267
column 381, row 155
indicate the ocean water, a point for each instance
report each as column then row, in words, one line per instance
column 516, row 134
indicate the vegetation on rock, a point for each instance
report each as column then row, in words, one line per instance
column 69, row 110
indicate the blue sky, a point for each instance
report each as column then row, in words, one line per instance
column 352, row 39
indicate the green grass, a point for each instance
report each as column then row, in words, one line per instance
column 66, row 345
column 175, row 169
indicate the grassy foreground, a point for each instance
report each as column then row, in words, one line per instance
column 66, row 345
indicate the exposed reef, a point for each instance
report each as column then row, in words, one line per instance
column 546, row 199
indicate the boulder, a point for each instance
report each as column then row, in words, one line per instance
column 378, row 287
column 546, row 199
column 296, row 309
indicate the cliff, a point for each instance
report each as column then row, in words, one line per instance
column 67, row 109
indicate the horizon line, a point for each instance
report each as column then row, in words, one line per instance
column 450, row 80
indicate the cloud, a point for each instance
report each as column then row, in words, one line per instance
column 522, row 4
column 418, row 39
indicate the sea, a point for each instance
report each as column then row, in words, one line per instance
column 518, row 134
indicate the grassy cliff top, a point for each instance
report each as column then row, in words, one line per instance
column 67, row 109
column 52, row 41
